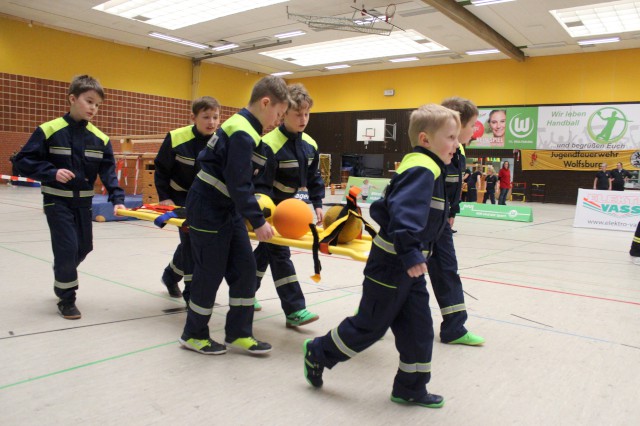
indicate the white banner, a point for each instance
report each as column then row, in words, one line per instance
column 615, row 210
column 589, row 127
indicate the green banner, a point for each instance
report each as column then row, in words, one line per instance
column 495, row 211
column 372, row 188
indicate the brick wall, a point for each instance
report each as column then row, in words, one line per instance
column 27, row 102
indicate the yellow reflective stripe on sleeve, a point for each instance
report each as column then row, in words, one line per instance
column 437, row 203
column 289, row 164
column 213, row 181
column 238, row 301
column 258, row 159
column 383, row 244
column 185, row 160
column 65, row 286
column 286, row 280
column 93, row 129
column 283, row 188
column 199, row 309
column 50, row 127
column 453, row 309
column 340, row 344
column 174, row 185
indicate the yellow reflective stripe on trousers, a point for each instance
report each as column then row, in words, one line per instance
column 213, row 181
column 388, row 247
column 286, row 280
column 283, row 188
column 175, row 269
column 340, row 344
column 636, row 240
column 188, row 277
column 64, row 192
column 174, row 185
column 238, row 301
column 260, row 274
column 418, row 367
column 199, row 309
column 452, row 309
column 381, row 283
column 65, row 286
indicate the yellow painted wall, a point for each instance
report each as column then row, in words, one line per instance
column 580, row 78
column 42, row 52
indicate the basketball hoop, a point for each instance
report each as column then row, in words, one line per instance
column 390, row 12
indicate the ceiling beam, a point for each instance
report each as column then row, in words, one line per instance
column 461, row 16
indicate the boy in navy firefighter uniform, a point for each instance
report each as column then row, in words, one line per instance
column 443, row 264
column 292, row 173
column 175, row 171
column 411, row 216
column 634, row 252
column 66, row 155
column 221, row 197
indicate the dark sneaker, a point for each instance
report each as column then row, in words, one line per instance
column 173, row 289
column 429, row 400
column 69, row 311
column 250, row 344
column 203, row 346
column 301, row 317
column 312, row 368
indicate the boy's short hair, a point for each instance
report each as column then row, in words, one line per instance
column 429, row 118
column 465, row 107
column 271, row 87
column 298, row 96
column 84, row 83
column 204, row 103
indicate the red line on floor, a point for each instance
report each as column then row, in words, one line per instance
column 552, row 291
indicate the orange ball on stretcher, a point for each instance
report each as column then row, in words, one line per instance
column 292, row 218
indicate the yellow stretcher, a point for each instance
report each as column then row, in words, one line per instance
column 357, row 249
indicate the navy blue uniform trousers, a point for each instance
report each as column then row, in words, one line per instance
column 71, row 239
column 181, row 265
column 390, row 298
column 278, row 258
column 220, row 248
column 447, row 287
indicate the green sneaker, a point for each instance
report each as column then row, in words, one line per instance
column 250, row 344
column 429, row 400
column 203, row 346
column 256, row 305
column 468, row 339
column 301, row 317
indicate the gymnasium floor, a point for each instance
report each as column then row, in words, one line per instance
column 559, row 307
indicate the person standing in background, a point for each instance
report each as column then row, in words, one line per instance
column 619, row 176
column 504, row 176
column 603, row 178
column 491, row 180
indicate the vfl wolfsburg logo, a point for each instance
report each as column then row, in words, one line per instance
column 521, row 126
column 607, row 125
column 614, row 210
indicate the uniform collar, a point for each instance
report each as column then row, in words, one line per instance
column 255, row 123
column 73, row 123
column 288, row 134
column 429, row 154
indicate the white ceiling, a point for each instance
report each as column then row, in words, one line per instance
column 522, row 22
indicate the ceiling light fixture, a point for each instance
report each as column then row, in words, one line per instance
column 408, row 59
column 613, row 17
column 174, row 14
column 488, row 2
column 599, row 41
column 280, row 74
column 290, row 34
column 337, row 67
column 225, row 47
column 482, row 52
column 178, row 40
